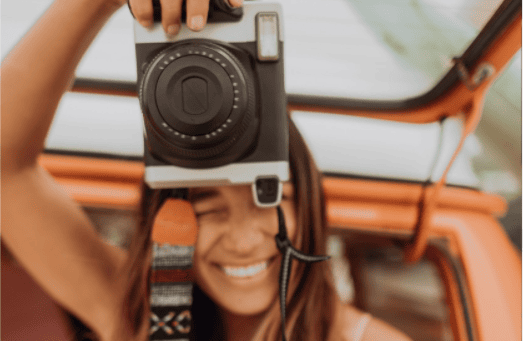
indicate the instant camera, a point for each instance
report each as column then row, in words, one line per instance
column 214, row 103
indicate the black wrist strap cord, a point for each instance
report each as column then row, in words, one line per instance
column 288, row 254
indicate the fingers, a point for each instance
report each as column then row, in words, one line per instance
column 143, row 11
column 197, row 11
column 235, row 3
column 171, row 14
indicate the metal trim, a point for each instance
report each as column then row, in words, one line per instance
column 459, row 275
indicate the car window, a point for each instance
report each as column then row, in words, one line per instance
column 360, row 49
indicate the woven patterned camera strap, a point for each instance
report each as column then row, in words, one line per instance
column 288, row 254
column 174, row 236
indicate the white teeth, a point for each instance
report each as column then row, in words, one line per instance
column 245, row 271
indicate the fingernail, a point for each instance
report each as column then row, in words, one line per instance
column 237, row 3
column 146, row 23
column 173, row 30
column 197, row 23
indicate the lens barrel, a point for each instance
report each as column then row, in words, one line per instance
column 197, row 99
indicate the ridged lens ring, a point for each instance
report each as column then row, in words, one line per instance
column 197, row 98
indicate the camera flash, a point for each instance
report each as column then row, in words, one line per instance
column 267, row 36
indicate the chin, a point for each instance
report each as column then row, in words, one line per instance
column 247, row 306
column 241, row 296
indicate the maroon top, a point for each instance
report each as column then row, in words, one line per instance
column 28, row 313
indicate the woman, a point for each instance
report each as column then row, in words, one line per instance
column 104, row 286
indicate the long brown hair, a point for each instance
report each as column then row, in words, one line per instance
column 311, row 297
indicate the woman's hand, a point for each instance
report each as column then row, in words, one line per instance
column 172, row 11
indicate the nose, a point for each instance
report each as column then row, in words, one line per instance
column 248, row 228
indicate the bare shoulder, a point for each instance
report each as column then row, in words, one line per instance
column 353, row 324
column 379, row 330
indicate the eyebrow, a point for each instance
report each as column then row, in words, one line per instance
column 203, row 194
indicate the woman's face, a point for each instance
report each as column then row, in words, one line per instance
column 236, row 259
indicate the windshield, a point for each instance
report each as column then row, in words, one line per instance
column 358, row 49
column 370, row 49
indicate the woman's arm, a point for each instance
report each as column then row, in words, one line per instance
column 41, row 67
column 39, row 70
column 46, row 231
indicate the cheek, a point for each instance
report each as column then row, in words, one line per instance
column 289, row 213
column 210, row 230
column 207, row 237
column 204, row 240
column 204, row 244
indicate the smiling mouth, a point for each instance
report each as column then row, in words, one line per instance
column 248, row 271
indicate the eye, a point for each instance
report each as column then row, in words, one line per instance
column 210, row 212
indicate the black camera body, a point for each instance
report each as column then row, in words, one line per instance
column 214, row 102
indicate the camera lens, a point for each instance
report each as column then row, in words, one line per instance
column 194, row 95
column 197, row 99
